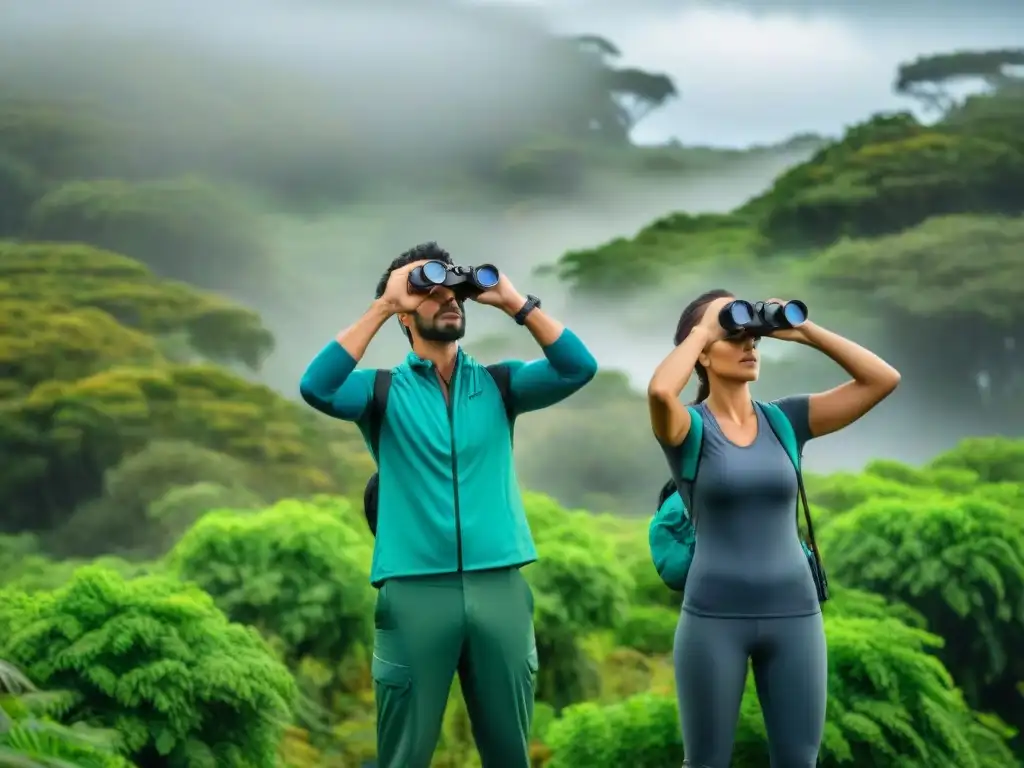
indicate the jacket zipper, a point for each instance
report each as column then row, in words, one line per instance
column 455, row 463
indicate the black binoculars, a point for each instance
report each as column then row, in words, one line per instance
column 464, row 281
column 760, row 319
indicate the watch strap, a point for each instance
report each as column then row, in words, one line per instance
column 532, row 302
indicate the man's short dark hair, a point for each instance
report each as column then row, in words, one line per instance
column 423, row 252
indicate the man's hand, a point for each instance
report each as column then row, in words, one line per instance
column 504, row 296
column 397, row 297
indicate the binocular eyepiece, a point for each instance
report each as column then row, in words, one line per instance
column 464, row 281
column 760, row 319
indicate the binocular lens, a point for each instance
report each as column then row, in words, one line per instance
column 487, row 276
column 795, row 313
column 434, row 272
column 740, row 313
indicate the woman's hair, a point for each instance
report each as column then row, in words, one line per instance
column 690, row 318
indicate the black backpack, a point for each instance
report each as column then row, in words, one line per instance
column 378, row 405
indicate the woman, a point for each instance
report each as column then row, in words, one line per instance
column 749, row 593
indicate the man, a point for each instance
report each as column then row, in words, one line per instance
column 451, row 532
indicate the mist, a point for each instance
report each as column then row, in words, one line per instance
column 409, row 90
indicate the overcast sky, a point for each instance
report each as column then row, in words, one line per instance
column 750, row 76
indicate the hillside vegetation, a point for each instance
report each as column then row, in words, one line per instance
column 183, row 565
column 913, row 230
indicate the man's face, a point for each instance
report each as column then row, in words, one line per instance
column 440, row 317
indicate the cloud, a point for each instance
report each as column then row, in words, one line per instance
column 757, row 72
column 756, row 77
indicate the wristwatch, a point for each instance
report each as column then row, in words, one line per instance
column 532, row 302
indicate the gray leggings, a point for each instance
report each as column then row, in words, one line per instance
column 790, row 663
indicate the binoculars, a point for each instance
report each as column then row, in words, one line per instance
column 464, row 281
column 760, row 319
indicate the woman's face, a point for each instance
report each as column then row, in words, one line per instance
column 733, row 359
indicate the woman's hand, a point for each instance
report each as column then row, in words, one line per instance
column 710, row 324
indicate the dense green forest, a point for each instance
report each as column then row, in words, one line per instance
column 184, row 562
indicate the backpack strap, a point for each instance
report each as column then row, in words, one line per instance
column 693, row 449
column 692, row 446
column 502, row 375
column 378, row 405
column 783, row 429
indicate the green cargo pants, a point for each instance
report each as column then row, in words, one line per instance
column 479, row 624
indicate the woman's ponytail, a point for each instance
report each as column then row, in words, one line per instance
column 703, row 385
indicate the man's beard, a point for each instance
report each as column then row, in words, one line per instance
column 430, row 331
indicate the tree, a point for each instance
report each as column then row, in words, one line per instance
column 680, row 241
column 41, row 342
column 927, row 77
column 639, row 92
column 990, row 459
column 68, row 278
column 124, row 519
column 186, row 229
column 947, row 290
column 889, row 186
column 157, row 661
column 67, row 435
column 959, row 562
column 634, row 92
column 20, row 185
column 59, row 141
column 293, row 571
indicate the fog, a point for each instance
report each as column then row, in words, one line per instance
column 412, row 88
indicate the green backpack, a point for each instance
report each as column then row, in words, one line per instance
column 672, row 534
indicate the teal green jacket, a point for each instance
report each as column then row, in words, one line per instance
column 448, row 498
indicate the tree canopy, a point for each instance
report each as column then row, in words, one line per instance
column 101, row 357
column 926, row 78
column 156, row 661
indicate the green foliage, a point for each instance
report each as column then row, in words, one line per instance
column 648, row 628
column 948, row 289
column 26, row 566
column 959, row 562
column 885, row 175
column 889, row 699
column 41, row 342
column 68, row 435
column 83, row 346
column 992, row 459
column 642, row 731
column 31, row 738
column 181, row 228
column 578, row 588
column 61, row 141
column 679, row 241
column 142, row 510
column 886, row 186
column 293, row 571
column 954, row 269
column 19, row 187
column 158, row 662
column 65, row 278
column 891, row 704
